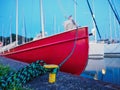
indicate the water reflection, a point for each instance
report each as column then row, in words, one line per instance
column 107, row 69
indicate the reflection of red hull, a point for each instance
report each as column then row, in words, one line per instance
column 54, row 49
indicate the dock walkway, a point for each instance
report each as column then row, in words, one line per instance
column 64, row 81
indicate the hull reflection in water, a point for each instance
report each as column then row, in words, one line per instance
column 107, row 70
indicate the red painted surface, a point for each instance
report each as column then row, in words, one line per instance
column 54, row 49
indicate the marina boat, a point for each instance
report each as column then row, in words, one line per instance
column 112, row 46
column 96, row 50
column 68, row 49
column 112, row 50
column 7, row 47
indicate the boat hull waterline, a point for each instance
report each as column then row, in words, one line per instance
column 54, row 49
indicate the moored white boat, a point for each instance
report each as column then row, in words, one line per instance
column 96, row 50
column 112, row 50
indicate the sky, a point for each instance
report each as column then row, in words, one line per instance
column 55, row 13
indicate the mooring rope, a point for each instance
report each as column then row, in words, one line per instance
column 23, row 75
column 73, row 49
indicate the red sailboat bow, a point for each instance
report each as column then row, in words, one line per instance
column 68, row 49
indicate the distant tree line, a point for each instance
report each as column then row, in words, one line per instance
column 6, row 40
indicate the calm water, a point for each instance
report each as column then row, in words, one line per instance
column 107, row 69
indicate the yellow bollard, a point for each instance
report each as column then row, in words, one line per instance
column 52, row 77
column 53, row 70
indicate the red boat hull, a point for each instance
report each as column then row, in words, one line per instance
column 54, row 49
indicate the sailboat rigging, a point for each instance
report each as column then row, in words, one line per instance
column 96, row 49
column 114, row 11
column 93, row 19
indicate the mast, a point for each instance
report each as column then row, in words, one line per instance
column 115, row 28
column 54, row 24
column 23, row 29
column 93, row 19
column 10, row 30
column 16, row 22
column 2, row 34
column 110, row 25
column 42, row 20
column 94, row 28
column 75, row 7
